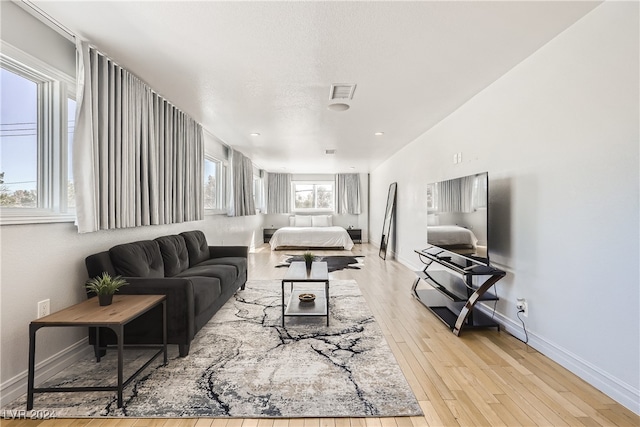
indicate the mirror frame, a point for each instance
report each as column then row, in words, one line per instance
column 388, row 219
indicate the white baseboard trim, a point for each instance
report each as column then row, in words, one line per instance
column 15, row 387
column 615, row 388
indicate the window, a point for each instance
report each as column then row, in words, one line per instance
column 19, row 135
column 35, row 141
column 214, row 185
column 318, row 196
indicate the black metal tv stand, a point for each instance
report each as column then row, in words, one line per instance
column 454, row 295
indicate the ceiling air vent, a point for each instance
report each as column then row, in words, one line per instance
column 342, row 91
column 331, row 151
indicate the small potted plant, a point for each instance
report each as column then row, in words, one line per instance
column 105, row 286
column 308, row 259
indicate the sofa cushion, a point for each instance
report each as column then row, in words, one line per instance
column 196, row 246
column 138, row 259
column 226, row 273
column 206, row 290
column 174, row 254
column 238, row 262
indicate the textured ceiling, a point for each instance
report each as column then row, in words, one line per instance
column 266, row 67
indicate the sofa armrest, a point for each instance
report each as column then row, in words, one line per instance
column 228, row 251
column 180, row 300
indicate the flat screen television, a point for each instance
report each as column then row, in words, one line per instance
column 458, row 216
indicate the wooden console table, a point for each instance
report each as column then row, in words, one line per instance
column 124, row 309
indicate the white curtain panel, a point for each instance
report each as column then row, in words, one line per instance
column 137, row 160
column 241, row 201
column 279, row 193
column 348, row 193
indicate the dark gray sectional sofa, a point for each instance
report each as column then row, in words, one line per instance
column 196, row 278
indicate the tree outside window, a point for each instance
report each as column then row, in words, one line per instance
column 210, row 184
column 313, row 196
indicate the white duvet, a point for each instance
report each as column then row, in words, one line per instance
column 446, row 235
column 312, row 237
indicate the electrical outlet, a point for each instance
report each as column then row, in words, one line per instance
column 523, row 307
column 44, row 308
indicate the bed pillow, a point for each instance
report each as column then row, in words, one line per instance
column 321, row 221
column 302, row 221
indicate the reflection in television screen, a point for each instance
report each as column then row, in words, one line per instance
column 458, row 216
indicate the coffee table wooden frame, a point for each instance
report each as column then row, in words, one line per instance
column 124, row 309
column 298, row 273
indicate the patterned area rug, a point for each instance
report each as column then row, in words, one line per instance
column 244, row 364
column 334, row 262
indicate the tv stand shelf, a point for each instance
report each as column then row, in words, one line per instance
column 454, row 294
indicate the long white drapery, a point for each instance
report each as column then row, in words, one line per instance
column 137, row 160
column 241, row 201
column 278, row 193
column 348, row 193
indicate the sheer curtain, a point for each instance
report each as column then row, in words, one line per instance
column 279, row 193
column 348, row 193
column 241, row 201
column 137, row 160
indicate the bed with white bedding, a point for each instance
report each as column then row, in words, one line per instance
column 308, row 231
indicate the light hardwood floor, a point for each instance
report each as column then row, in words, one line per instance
column 482, row 378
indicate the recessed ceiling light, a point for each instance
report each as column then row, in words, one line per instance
column 379, row 133
column 338, row 107
column 254, row 134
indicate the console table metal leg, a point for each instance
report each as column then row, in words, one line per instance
column 98, row 355
column 120, row 336
column 326, row 290
column 283, row 303
column 471, row 302
column 164, row 329
column 32, row 366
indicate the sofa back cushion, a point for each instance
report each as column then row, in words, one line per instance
column 174, row 254
column 138, row 259
column 99, row 263
column 196, row 246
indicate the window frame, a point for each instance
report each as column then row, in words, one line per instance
column 313, row 182
column 54, row 87
column 258, row 192
column 221, row 188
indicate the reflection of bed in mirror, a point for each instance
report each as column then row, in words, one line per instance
column 452, row 237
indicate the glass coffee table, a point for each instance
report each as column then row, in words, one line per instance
column 298, row 278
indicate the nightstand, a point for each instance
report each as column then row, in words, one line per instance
column 355, row 234
column 267, row 233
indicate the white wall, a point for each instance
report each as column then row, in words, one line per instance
column 559, row 137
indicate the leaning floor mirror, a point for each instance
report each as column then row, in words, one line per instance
column 388, row 219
